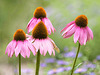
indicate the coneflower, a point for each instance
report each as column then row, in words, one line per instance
column 40, row 15
column 81, row 31
column 42, row 42
column 20, row 46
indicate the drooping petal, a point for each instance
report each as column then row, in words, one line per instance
column 90, row 33
column 23, row 51
column 81, row 37
column 70, row 32
column 13, row 48
column 25, row 47
column 54, row 46
column 85, row 35
column 76, row 35
column 37, row 44
column 10, row 48
column 49, row 47
column 41, row 46
column 44, row 47
column 68, row 25
column 32, row 24
column 18, row 48
column 31, row 47
column 69, row 28
column 48, row 25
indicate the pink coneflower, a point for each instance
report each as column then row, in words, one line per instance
column 41, row 41
column 20, row 45
column 80, row 30
column 40, row 15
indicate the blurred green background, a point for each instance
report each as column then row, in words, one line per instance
column 15, row 14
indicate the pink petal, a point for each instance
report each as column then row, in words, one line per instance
column 54, row 52
column 76, row 35
column 90, row 33
column 13, row 48
column 23, row 51
column 49, row 47
column 18, row 48
column 37, row 44
column 44, row 47
column 25, row 47
column 32, row 24
column 10, row 48
column 70, row 32
column 54, row 46
column 69, row 28
column 81, row 37
column 31, row 47
column 85, row 36
column 49, row 25
column 68, row 25
column 41, row 46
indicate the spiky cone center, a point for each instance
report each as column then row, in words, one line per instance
column 40, row 31
column 81, row 21
column 39, row 12
column 19, row 35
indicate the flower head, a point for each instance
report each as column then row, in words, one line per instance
column 80, row 70
column 40, row 31
column 43, row 64
column 20, row 45
column 98, row 57
column 24, row 70
column 71, row 54
column 68, row 68
column 92, row 73
column 81, row 21
column 55, row 71
column 90, row 65
column 40, row 15
column 50, row 60
column 41, row 40
column 80, row 30
column 51, row 72
column 61, row 62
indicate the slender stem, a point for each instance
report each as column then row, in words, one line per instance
column 19, row 64
column 75, row 59
column 37, row 63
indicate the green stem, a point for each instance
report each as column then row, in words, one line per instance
column 19, row 64
column 75, row 59
column 37, row 63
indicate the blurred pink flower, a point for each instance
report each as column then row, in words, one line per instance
column 45, row 45
column 80, row 30
column 40, row 15
column 41, row 41
column 20, row 45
